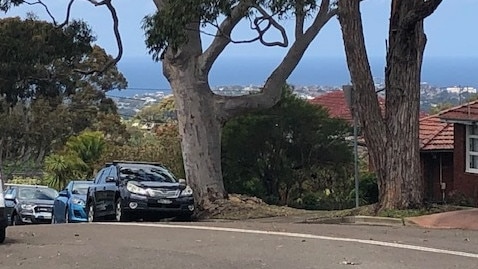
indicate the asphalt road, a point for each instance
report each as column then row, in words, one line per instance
column 235, row 245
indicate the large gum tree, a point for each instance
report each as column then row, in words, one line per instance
column 175, row 37
column 392, row 137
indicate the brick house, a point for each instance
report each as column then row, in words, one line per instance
column 436, row 145
column 465, row 161
column 436, row 157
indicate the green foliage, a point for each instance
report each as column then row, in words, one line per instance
column 161, row 112
column 169, row 26
column 164, row 147
column 88, row 146
column 45, row 100
column 27, row 180
column 30, row 49
column 60, row 169
column 440, row 107
column 368, row 188
column 5, row 5
column 76, row 160
column 287, row 151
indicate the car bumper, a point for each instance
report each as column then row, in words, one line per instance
column 77, row 213
column 3, row 218
column 146, row 205
column 35, row 217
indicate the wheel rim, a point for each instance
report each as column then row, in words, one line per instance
column 91, row 213
column 118, row 211
column 53, row 220
column 67, row 216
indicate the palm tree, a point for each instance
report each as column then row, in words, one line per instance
column 60, row 169
column 87, row 146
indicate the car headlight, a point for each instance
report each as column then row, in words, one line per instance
column 135, row 189
column 26, row 206
column 187, row 192
column 78, row 201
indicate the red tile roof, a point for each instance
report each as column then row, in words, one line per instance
column 465, row 112
column 435, row 134
column 335, row 103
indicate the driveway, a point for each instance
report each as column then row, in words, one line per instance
column 234, row 245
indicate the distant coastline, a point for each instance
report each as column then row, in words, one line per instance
column 145, row 76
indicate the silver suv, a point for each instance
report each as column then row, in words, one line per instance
column 3, row 214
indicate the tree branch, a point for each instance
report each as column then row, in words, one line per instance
column 39, row 2
column 424, row 9
column 68, row 13
column 117, row 34
column 299, row 18
column 231, row 106
column 222, row 38
column 270, row 22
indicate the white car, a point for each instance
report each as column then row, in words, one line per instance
column 3, row 214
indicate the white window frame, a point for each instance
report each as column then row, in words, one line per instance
column 469, row 153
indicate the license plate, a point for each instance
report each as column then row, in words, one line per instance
column 43, row 215
column 164, row 201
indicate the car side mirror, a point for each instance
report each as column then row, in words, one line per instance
column 9, row 197
column 63, row 193
column 182, row 183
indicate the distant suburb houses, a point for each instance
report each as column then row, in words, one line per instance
column 448, row 148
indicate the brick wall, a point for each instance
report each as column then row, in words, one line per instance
column 464, row 183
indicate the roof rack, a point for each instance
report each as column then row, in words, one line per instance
column 24, row 185
column 133, row 162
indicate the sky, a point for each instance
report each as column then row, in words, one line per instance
column 448, row 30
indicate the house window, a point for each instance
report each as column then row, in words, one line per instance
column 472, row 149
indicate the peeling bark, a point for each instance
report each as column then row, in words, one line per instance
column 393, row 141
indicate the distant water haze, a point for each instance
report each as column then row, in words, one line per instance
column 144, row 75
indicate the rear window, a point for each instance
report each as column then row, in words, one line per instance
column 146, row 172
column 26, row 193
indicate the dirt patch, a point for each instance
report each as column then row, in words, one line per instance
column 243, row 207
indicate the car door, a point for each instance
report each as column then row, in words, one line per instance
column 9, row 196
column 97, row 192
column 110, row 189
column 60, row 203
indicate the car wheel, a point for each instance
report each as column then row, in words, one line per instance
column 16, row 220
column 120, row 215
column 53, row 219
column 67, row 216
column 91, row 213
column 3, row 232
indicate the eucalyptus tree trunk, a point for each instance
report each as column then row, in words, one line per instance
column 392, row 140
column 201, row 113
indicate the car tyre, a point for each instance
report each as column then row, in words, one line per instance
column 120, row 214
column 67, row 216
column 91, row 213
column 3, row 233
column 16, row 220
column 53, row 219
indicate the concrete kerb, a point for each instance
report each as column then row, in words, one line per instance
column 361, row 220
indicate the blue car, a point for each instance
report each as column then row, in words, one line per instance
column 69, row 206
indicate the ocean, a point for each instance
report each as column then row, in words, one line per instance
column 144, row 75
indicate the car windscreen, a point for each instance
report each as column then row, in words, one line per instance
column 80, row 188
column 140, row 172
column 37, row 193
